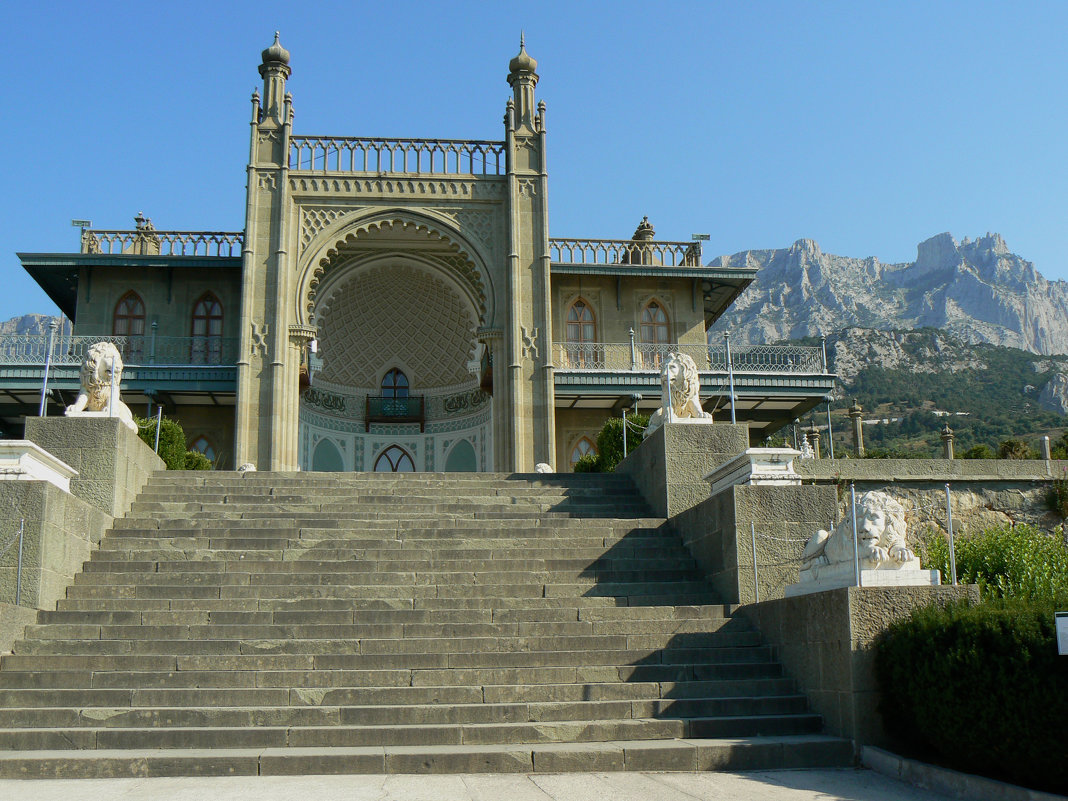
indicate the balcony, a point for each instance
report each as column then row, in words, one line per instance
column 136, row 351
column 635, row 356
column 410, row 409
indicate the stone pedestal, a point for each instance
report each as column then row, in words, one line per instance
column 113, row 463
column 757, row 466
column 670, row 464
column 834, row 577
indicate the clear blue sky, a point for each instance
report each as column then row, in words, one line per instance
column 865, row 126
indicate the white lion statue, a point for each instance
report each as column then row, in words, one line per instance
column 880, row 536
column 680, row 382
column 93, row 399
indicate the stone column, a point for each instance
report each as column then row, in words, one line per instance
column 1047, row 454
column 855, row 415
column 813, row 438
column 947, row 442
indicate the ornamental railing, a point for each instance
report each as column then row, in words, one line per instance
column 636, row 356
column 420, row 156
column 136, row 351
column 163, row 243
column 409, row 409
column 625, row 251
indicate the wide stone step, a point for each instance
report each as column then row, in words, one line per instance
column 758, row 753
column 725, row 646
column 348, row 735
column 347, row 615
column 338, row 710
column 724, row 629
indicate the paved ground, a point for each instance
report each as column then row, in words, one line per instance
column 787, row 785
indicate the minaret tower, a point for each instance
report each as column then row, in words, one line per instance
column 269, row 360
column 529, row 335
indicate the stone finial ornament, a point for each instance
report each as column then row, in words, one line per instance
column 806, row 449
column 247, row 467
column 645, row 231
column 680, row 387
column 96, row 376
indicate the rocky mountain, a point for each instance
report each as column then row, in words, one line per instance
column 977, row 290
column 29, row 324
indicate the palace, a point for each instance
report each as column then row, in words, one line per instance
column 399, row 304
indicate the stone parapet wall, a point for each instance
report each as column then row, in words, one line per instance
column 60, row 530
column 826, row 642
column 669, row 466
column 113, row 463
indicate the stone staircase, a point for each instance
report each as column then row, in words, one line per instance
column 366, row 623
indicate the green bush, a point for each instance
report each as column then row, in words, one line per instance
column 1058, row 495
column 1059, row 448
column 1020, row 562
column 172, row 448
column 979, row 452
column 588, row 464
column 610, row 440
column 1016, row 449
column 981, row 689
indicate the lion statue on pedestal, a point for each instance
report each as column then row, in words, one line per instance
column 880, row 537
column 680, row 382
column 95, row 395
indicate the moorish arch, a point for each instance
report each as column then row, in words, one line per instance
column 424, row 234
column 391, row 294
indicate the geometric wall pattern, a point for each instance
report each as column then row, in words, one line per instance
column 395, row 315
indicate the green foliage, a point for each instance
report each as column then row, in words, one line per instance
column 1058, row 496
column 588, row 464
column 195, row 460
column 172, row 448
column 1059, row 448
column 980, row 688
column 1019, row 562
column 1016, row 449
column 979, row 452
column 894, row 453
column 610, row 439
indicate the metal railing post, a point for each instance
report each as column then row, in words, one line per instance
column 114, row 391
column 152, row 343
column 48, row 366
column 18, row 570
column 756, row 580
column 624, row 432
column 952, row 549
column 633, row 352
column 159, row 423
column 823, row 348
column 856, row 543
column 730, row 374
column 830, row 431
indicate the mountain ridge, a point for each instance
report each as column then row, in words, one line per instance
column 975, row 289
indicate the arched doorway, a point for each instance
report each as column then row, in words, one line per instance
column 394, row 459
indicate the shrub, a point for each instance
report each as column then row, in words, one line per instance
column 172, row 448
column 1059, row 448
column 588, row 464
column 982, row 687
column 610, row 439
column 979, row 452
column 1058, row 495
column 1016, row 449
column 1020, row 562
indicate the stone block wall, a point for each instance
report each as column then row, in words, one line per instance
column 669, row 466
column 113, row 463
column 717, row 532
column 60, row 531
column 825, row 641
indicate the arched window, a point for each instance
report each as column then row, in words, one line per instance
column 653, row 335
column 129, row 322
column 394, row 384
column 582, row 447
column 394, row 459
column 582, row 349
column 203, row 444
column 207, row 330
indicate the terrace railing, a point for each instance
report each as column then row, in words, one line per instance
column 419, row 156
column 625, row 251
column 136, row 351
column 636, row 356
column 163, row 243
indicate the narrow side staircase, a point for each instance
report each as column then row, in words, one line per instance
column 289, row 623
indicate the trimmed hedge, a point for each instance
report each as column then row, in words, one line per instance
column 172, row 448
column 982, row 687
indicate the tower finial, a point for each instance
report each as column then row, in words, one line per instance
column 522, row 39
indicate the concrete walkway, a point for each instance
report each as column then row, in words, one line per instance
column 788, row 785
